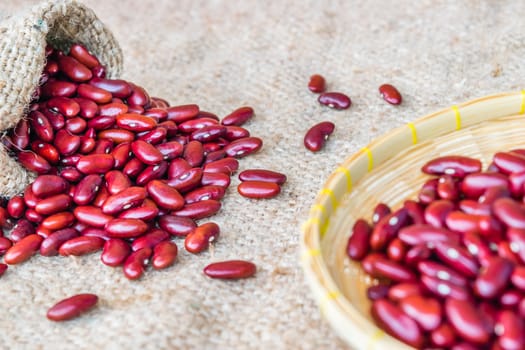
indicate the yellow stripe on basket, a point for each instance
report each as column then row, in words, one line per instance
column 332, row 196
column 458, row 117
column 310, row 253
column 329, row 296
column 374, row 339
column 309, row 222
column 412, row 128
column 370, row 158
column 324, row 227
column 318, row 207
column 348, row 176
column 522, row 109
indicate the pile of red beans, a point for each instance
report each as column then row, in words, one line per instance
column 450, row 265
column 122, row 172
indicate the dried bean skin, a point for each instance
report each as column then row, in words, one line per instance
column 315, row 138
column 335, row 100
column 262, row 175
column 396, row 322
column 258, row 189
column 390, row 94
column 230, row 269
column 317, row 83
column 164, row 255
column 72, row 307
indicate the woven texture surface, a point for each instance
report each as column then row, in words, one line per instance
column 225, row 54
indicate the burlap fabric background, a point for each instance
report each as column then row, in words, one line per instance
column 225, row 54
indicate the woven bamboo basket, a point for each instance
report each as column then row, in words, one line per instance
column 388, row 170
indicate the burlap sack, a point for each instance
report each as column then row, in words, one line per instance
column 22, row 58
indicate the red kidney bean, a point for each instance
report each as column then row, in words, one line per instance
column 178, row 167
column 215, row 179
column 226, row 166
column 380, row 211
column 125, row 228
column 128, row 198
column 101, row 122
column 437, row 211
column 213, row 151
column 110, row 111
column 517, row 278
column 390, row 94
column 200, row 238
column 508, row 162
column 170, row 150
column 81, row 54
column 238, row 117
column 41, row 126
column 118, row 88
column 58, row 221
column 447, row 188
column 475, row 184
column 88, row 108
column 51, row 243
column 158, row 114
column 101, row 197
column 428, row 192
column 34, row 162
column 23, row 249
column 377, row 292
column 150, row 239
column 493, row 278
column 76, row 125
column 91, row 216
column 386, row 229
column 204, row 193
column 180, row 114
column 135, row 122
column 368, row 263
column 136, row 262
column 5, row 244
column 74, row 70
column 457, row 166
column 53, row 205
column 470, row 206
column 176, row 225
column 504, row 250
column 81, row 245
column 196, row 124
column 426, row 234
column 155, row 136
column 87, row 189
column 477, row 247
column 457, row 257
column 147, row 211
column 115, row 252
column 21, row 134
column 258, row 189
column 100, row 96
column 138, row 97
column 403, row 290
column 23, row 228
column 392, row 319
column 335, row 100
column 193, row 153
column 3, row 268
column 70, row 160
column 121, row 154
column 315, row 138
column 262, row 175
column 517, row 183
column 116, row 181
column 467, row 321
column 46, row 151
column 317, row 83
column 151, row 172
column 133, row 168
column 442, row 272
column 509, row 212
column 208, row 133
column 164, row 195
column 510, row 330
column 116, row 136
column 95, row 163
column 199, row 210
column 461, row 222
column 70, row 174
column 16, row 207
column 415, row 211
column 510, row 298
column 58, row 88
column 235, row 132
column 164, row 255
column 33, row 216
column 443, row 336
column 427, row 312
column 66, row 106
column 392, row 270
column 71, row 307
column 445, row 289
column 230, row 269
column 95, row 232
column 359, row 242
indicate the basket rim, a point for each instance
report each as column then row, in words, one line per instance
column 336, row 309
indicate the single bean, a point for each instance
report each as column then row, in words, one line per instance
column 510, row 329
column 176, row 225
column 378, row 291
column 317, row 83
column 115, row 252
column 74, row 70
column 386, row 229
column 204, row 193
column 23, row 249
column 136, row 262
column 16, row 207
column 258, row 189
column 95, row 163
column 315, row 138
column 200, row 238
column 151, row 173
column 52, row 243
column 128, row 198
column 54, row 204
column 335, row 100
column 81, row 245
column 92, row 216
column 262, row 175
column 230, row 269
column 238, row 117
column 390, row 94
column 467, row 321
column 71, row 307
column 164, row 195
column 180, row 114
column 135, row 122
column 23, row 228
column 193, row 153
column 457, row 166
column 358, row 244
column 427, row 312
column 493, row 278
column 199, row 210
column 226, row 166
column 125, row 228
column 164, row 254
